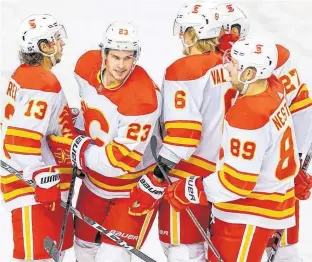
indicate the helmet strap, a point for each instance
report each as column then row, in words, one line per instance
column 51, row 56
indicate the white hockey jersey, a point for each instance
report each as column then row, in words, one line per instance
column 121, row 122
column 254, row 183
column 196, row 96
column 298, row 96
column 36, row 108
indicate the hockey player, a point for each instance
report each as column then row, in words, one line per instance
column 195, row 94
column 253, row 189
column 236, row 25
column 36, row 107
column 119, row 114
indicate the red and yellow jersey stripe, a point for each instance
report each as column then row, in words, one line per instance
column 22, row 141
column 239, row 183
column 123, row 183
column 121, row 157
column 195, row 166
column 269, row 205
column 302, row 100
column 12, row 187
column 183, row 133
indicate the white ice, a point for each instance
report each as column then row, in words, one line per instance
column 288, row 23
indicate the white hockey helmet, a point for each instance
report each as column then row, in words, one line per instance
column 259, row 54
column 121, row 36
column 38, row 27
column 232, row 15
column 203, row 16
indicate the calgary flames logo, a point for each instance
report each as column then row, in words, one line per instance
column 94, row 115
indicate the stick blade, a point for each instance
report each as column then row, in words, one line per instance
column 51, row 248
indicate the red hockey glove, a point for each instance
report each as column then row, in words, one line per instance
column 185, row 192
column 47, row 191
column 226, row 41
column 69, row 151
column 146, row 194
column 303, row 184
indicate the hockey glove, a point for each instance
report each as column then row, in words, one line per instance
column 47, row 191
column 146, row 195
column 185, row 192
column 70, row 151
column 226, row 42
column 303, row 185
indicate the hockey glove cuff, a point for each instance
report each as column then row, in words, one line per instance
column 69, row 151
column 185, row 192
column 47, row 191
column 146, row 195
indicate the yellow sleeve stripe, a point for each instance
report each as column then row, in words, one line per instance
column 22, row 149
column 114, row 162
column 180, row 173
column 301, row 104
column 232, row 188
column 193, row 126
column 137, row 174
column 17, row 192
column 238, row 175
column 126, row 152
column 203, row 164
column 181, row 141
column 7, row 180
column 24, row 134
column 105, row 186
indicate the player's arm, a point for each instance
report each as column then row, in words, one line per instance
column 25, row 136
column 243, row 151
column 182, row 118
column 298, row 97
column 124, row 153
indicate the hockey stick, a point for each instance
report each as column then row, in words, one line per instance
column 278, row 235
column 189, row 212
column 56, row 256
column 83, row 217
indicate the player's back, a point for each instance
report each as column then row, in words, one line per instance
column 298, row 96
column 196, row 96
column 107, row 114
column 264, row 125
column 36, row 107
